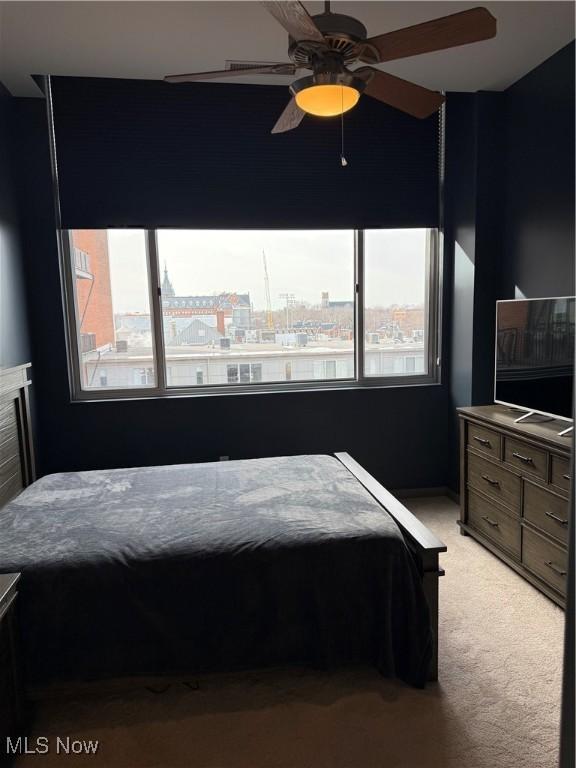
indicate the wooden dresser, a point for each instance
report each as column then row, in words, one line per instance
column 514, row 492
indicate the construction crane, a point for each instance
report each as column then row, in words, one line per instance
column 269, row 318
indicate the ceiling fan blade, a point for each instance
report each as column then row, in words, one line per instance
column 401, row 94
column 436, row 35
column 265, row 69
column 295, row 19
column 290, row 118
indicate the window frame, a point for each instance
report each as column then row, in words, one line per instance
column 432, row 334
column 432, row 311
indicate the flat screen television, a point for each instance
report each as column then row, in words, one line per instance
column 535, row 355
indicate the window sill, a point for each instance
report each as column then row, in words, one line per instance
column 264, row 389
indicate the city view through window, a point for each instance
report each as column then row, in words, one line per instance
column 248, row 307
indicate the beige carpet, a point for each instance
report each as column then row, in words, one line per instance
column 496, row 704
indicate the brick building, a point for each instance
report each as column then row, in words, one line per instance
column 93, row 288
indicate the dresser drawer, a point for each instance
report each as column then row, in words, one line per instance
column 546, row 510
column 485, row 440
column 494, row 481
column 547, row 560
column 561, row 472
column 499, row 526
column 523, row 456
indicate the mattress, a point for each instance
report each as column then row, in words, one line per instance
column 207, row 567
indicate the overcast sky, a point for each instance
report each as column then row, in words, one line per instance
column 304, row 263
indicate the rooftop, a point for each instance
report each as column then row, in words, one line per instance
column 330, row 347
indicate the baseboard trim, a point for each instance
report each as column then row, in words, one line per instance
column 440, row 490
column 453, row 495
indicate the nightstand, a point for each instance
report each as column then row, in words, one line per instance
column 11, row 696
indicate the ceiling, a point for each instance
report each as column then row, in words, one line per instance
column 151, row 39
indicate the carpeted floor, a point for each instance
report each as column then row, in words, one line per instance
column 496, row 704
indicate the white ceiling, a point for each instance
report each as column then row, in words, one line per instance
column 151, row 39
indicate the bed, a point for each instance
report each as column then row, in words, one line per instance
column 193, row 568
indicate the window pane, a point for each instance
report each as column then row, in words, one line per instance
column 243, row 307
column 245, row 373
column 112, row 300
column 396, row 270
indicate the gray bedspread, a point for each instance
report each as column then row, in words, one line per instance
column 226, row 565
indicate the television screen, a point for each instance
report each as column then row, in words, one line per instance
column 535, row 355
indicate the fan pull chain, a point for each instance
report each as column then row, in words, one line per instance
column 343, row 160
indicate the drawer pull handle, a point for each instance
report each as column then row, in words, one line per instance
column 489, row 480
column 554, row 568
column 566, row 477
column 525, row 459
column 482, row 441
column 490, row 522
column 555, row 517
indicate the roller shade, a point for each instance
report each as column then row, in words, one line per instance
column 148, row 154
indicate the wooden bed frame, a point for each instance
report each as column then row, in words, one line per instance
column 423, row 544
column 17, row 470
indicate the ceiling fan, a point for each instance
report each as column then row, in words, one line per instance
column 328, row 43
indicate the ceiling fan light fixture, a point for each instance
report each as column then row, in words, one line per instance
column 327, row 95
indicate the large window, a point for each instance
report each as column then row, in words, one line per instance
column 164, row 311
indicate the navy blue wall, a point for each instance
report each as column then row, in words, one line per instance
column 460, row 237
column 14, row 341
column 539, row 253
column 509, row 201
column 474, row 194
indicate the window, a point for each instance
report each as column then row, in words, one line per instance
column 325, row 369
column 81, row 262
column 191, row 310
column 278, row 296
column 396, row 296
column 111, row 309
column 143, row 376
column 244, row 373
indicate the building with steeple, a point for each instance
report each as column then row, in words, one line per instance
column 225, row 308
column 167, row 287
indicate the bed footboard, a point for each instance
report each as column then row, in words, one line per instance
column 422, row 542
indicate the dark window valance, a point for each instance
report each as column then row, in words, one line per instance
column 149, row 154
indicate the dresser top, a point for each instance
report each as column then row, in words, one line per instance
column 7, row 583
column 502, row 417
